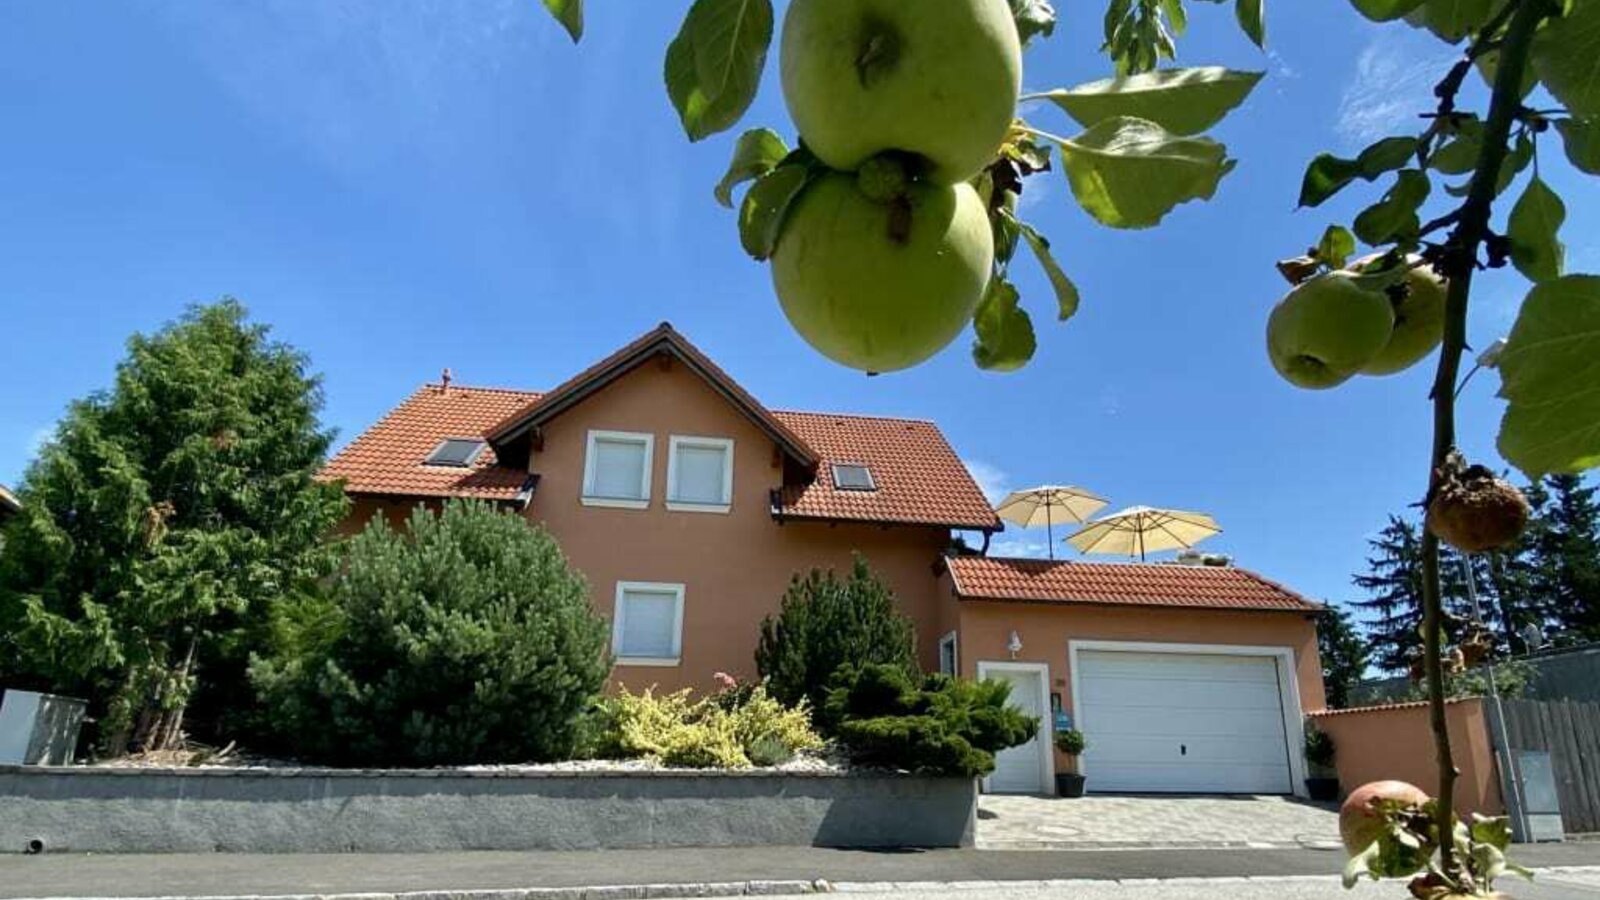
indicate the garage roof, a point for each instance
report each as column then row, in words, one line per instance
column 1120, row 584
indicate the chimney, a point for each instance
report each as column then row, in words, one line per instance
column 444, row 381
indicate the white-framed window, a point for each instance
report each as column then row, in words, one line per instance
column 647, row 624
column 616, row 469
column 949, row 661
column 699, row 473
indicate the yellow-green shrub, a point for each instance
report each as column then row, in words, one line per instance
column 710, row 732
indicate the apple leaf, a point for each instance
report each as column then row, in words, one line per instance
column 1336, row 246
column 1385, row 10
column 1386, row 155
column 1067, row 298
column 1252, row 17
column 766, row 206
column 1452, row 20
column 1395, row 215
column 1460, row 155
column 1488, row 66
column 1581, row 138
column 1033, row 17
column 1551, row 379
column 570, row 14
column 714, row 65
column 757, row 152
column 1005, row 332
column 1536, row 249
column 1177, row 16
column 1565, row 58
column 1328, row 174
column 1183, row 101
column 1129, row 173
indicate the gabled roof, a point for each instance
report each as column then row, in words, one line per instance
column 919, row 479
column 388, row 457
column 663, row 339
column 1120, row 584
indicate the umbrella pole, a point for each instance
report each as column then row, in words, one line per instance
column 1049, row 531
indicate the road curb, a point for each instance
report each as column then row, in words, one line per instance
column 602, row 892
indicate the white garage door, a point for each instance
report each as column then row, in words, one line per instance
column 1182, row 722
column 1021, row 769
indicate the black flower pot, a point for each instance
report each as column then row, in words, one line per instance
column 1069, row 784
column 1323, row 789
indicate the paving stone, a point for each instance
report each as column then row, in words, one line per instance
column 1026, row 822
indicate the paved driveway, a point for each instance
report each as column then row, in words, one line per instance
column 1153, row 821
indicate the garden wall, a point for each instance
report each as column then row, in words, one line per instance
column 1378, row 743
column 109, row 810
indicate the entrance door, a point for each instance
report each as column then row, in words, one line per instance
column 1024, row 769
column 1183, row 723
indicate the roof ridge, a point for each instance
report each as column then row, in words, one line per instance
column 848, row 415
column 457, row 386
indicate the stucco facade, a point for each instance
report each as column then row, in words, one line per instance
column 1046, row 630
column 734, row 566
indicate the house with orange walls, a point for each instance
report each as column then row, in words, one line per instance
column 689, row 505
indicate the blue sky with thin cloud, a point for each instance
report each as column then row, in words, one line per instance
column 402, row 186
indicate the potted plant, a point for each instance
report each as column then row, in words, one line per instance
column 1071, row 743
column 1322, row 782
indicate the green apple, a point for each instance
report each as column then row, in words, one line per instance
column 936, row 78
column 1418, row 318
column 1326, row 329
column 882, row 286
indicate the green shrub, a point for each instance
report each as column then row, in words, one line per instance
column 1071, row 742
column 466, row 638
column 826, row 622
column 733, row 729
column 1320, row 751
column 944, row 726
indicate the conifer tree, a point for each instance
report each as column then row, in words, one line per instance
column 162, row 522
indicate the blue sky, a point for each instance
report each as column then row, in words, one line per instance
column 402, row 186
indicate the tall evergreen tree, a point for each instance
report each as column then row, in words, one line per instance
column 1393, row 582
column 162, row 521
column 1568, row 551
column 1344, row 655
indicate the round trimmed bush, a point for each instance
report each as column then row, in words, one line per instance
column 464, row 638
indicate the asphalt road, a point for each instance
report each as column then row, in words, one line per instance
column 77, row 875
column 1556, row 886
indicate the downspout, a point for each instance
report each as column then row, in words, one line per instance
column 1505, row 757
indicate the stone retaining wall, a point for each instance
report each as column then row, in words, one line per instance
column 111, row 810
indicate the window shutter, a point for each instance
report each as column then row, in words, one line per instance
column 699, row 475
column 618, row 469
column 648, row 625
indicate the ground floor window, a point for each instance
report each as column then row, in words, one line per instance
column 647, row 624
column 949, row 662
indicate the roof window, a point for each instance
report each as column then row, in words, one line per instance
column 853, row 477
column 455, row 452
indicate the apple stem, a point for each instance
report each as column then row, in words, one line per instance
column 1472, row 229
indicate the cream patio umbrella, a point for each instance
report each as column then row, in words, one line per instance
column 1047, row 505
column 1139, row 529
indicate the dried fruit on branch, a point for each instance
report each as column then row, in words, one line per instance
column 1474, row 511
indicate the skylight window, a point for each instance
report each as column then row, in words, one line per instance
column 456, row 452
column 853, row 477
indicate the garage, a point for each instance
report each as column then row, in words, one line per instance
column 1196, row 720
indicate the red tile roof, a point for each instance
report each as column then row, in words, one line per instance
column 388, row 457
column 661, row 339
column 1120, row 584
column 919, row 479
